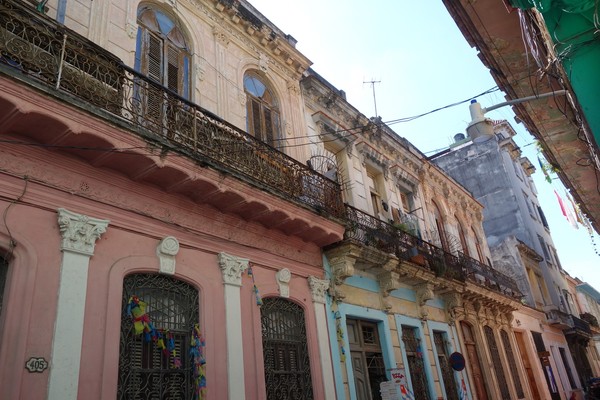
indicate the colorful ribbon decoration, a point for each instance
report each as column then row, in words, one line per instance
column 163, row 339
column 259, row 301
column 340, row 335
column 198, row 363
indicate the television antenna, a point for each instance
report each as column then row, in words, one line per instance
column 373, row 82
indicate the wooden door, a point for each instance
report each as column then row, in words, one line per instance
column 535, row 394
column 473, row 362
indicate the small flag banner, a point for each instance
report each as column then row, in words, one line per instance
column 259, row 301
column 340, row 335
column 464, row 395
column 198, row 363
column 406, row 393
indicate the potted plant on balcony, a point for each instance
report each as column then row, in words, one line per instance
column 438, row 265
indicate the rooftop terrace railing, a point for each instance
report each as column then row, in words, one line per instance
column 368, row 230
column 65, row 63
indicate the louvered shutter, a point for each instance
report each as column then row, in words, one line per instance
column 173, row 69
column 155, row 54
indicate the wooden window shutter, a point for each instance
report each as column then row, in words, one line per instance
column 155, row 54
column 268, row 134
column 173, row 69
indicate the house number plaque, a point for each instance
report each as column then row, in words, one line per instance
column 36, row 364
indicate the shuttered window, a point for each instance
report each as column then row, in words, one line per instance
column 164, row 53
column 262, row 120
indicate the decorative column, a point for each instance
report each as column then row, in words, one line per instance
column 232, row 269
column 318, row 289
column 79, row 234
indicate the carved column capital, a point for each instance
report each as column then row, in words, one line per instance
column 166, row 251
column 232, row 268
column 221, row 36
column 423, row 292
column 79, row 232
column 318, row 289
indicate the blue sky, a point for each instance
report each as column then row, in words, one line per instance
column 423, row 62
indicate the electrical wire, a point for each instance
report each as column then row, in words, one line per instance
column 12, row 243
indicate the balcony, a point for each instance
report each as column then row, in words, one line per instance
column 365, row 230
column 37, row 51
column 559, row 319
column 579, row 327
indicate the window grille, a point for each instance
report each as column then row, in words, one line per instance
column 416, row 366
column 146, row 371
column 444, row 364
column 285, row 351
column 497, row 363
column 512, row 363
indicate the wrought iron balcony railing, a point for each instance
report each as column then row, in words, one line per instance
column 370, row 231
column 67, row 63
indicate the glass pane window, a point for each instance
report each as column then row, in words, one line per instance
column 368, row 366
column 262, row 111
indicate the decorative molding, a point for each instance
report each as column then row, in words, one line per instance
column 283, row 277
column 131, row 28
column 242, row 97
column 454, row 306
column 424, row 292
column 293, row 88
column 221, row 36
column 388, row 281
column 318, row 289
column 79, row 232
column 166, row 251
column 232, row 268
column 200, row 70
column 263, row 62
column 341, row 267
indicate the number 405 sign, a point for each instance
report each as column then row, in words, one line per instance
column 36, row 364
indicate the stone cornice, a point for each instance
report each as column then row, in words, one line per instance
column 241, row 21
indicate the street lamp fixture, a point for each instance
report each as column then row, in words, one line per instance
column 481, row 129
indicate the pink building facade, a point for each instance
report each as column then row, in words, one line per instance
column 134, row 255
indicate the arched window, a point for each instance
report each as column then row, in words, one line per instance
column 496, row 362
column 473, row 361
column 262, row 118
column 285, row 351
column 463, row 239
column 478, row 246
column 160, row 315
column 439, row 224
column 512, row 364
column 162, row 52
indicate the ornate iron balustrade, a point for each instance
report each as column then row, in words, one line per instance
column 581, row 326
column 371, row 231
column 60, row 59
